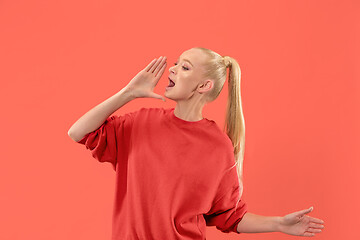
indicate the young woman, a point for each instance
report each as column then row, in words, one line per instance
column 175, row 169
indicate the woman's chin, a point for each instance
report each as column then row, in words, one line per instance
column 168, row 89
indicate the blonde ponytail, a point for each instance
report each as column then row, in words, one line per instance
column 235, row 122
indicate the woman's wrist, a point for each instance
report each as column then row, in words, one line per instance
column 280, row 224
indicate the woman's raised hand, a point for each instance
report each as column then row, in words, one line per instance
column 143, row 83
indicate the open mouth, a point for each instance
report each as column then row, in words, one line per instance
column 171, row 83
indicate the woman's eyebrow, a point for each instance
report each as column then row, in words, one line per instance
column 187, row 61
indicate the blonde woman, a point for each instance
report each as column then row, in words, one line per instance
column 176, row 171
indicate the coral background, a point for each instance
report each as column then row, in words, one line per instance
column 300, row 93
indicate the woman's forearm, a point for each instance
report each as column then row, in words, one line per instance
column 96, row 116
column 252, row 223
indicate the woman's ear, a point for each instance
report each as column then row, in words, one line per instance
column 207, row 85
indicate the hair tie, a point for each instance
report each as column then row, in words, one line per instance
column 227, row 61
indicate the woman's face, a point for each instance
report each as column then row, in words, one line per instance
column 186, row 73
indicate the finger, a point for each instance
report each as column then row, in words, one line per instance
column 313, row 230
column 308, row 234
column 161, row 71
column 316, row 220
column 156, row 64
column 305, row 211
column 154, row 95
column 315, row 225
column 163, row 61
column 150, row 64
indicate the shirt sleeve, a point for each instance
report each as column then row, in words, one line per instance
column 110, row 142
column 228, row 208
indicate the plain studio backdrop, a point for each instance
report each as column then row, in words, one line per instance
column 300, row 93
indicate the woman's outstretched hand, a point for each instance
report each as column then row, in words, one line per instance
column 299, row 224
column 143, row 83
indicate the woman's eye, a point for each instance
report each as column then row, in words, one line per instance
column 183, row 67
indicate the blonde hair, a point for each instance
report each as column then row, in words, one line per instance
column 215, row 69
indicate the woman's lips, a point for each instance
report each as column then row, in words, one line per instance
column 171, row 83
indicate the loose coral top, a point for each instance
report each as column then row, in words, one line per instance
column 173, row 177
